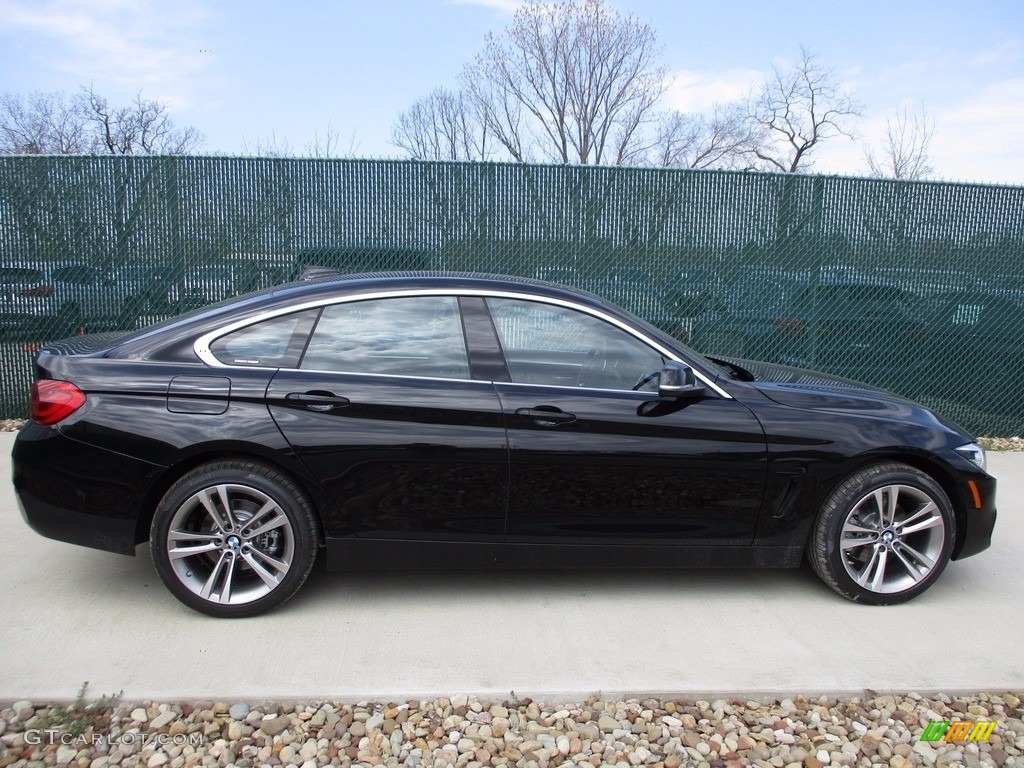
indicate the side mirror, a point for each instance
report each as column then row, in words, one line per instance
column 677, row 380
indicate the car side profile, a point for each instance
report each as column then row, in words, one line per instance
column 467, row 421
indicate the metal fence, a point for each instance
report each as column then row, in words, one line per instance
column 917, row 287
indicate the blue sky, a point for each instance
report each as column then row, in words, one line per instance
column 243, row 71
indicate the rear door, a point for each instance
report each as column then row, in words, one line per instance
column 383, row 412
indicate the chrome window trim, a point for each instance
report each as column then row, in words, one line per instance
column 202, row 345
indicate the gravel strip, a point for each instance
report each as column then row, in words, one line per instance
column 464, row 731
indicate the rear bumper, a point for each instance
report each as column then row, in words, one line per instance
column 77, row 493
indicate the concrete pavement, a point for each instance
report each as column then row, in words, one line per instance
column 72, row 615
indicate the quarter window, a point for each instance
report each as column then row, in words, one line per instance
column 402, row 336
column 273, row 343
column 551, row 344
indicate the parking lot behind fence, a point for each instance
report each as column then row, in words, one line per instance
column 917, row 287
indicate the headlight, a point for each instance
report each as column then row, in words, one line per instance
column 975, row 454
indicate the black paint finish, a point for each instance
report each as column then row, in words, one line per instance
column 452, row 473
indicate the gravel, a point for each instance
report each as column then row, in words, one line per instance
column 468, row 732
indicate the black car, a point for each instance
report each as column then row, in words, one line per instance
column 419, row 420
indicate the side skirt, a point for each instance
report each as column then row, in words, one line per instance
column 351, row 554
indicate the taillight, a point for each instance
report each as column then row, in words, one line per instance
column 53, row 401
column 40, row 291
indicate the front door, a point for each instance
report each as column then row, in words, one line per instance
column 598, row 457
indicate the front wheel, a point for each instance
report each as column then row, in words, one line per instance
column 884, row 535
column 233, row 538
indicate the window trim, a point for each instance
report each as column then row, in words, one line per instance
column 202, row 345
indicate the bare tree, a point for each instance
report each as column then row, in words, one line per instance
column 144, row 127
column 571, row 82
column 51, row 123
column 904, row 150
column 41, row 123
column 723, row 139
column 795, row 109
column 446, row 125
column 268, row 147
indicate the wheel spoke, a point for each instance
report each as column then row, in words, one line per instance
column 885, row 499
column 269, row 578
column 211, row 581
column 852, row 542
column 204, row 542
column 922, row 560
column 874, row 571
column 276, row 521
column 225, row 500
column 912, row 569
column 931, row 518
column 220, row 517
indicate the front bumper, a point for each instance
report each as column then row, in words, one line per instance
column 978, row 522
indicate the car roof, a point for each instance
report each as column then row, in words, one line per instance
column 275, row 298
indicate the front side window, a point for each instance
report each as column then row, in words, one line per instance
column 401, row 336
column 555, row 345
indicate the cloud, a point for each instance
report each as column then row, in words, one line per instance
column 693, row 91
column 979, row 138
column 505, row 6
column 140, row 45
column 1008, row 52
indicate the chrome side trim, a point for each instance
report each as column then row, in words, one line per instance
column 202, row 344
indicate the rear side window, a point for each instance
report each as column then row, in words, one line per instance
column 401, row 336
column 274, row 343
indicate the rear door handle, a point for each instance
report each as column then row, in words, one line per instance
column 546, row 415
column 317, row 401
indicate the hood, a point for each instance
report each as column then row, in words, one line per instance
column 801, row 388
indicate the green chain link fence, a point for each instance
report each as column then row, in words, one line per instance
column 916, row 287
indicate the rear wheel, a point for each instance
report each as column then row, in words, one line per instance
column 234, row 538
column 884, row 535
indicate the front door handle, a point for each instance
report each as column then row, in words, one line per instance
column 546, row 415
column 317, row 400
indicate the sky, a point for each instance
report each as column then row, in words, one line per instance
column 251, row 72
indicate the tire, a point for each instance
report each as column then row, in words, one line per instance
column 235, row 571
column 861, row 545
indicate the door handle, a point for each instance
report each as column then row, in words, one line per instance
column 317, row 401
column 546, row 416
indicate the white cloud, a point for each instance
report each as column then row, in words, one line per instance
column 693, row 91
column 139, row 45
column 505, row 6
column 979, row 139
column 1008, row 52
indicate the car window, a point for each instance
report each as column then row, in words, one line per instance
column 402, row 336
column 273, row 343
column 550, row 344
